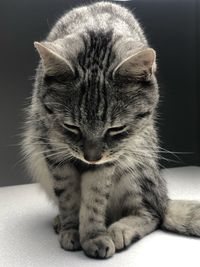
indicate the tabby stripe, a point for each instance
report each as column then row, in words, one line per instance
column 105, row 101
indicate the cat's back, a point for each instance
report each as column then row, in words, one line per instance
column 102, row 16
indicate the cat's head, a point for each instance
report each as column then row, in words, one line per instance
column 96, row 101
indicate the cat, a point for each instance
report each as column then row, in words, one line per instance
column 90, row 138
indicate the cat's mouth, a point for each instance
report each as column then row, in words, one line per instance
column 93, row 163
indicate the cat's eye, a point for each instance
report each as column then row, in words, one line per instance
column 116, row 130
column 72, row 128
column 143, row 115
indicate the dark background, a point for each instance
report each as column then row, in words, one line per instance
column 172, row 27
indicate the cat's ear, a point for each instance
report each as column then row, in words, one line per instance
column 139, row 66
column 53, row 63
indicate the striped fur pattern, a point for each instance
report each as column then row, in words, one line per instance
column 90, row 139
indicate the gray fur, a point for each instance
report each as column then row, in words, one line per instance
column 90, row 138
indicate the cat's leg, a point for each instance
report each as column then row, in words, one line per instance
column 141, row 201
column 67, row 192
column 95, row 190
column 130, row 229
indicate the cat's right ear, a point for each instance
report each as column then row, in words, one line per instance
column 53, row 63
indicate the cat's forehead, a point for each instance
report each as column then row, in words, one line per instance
column 96, row 109
column 97, row 103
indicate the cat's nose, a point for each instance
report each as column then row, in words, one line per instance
column 92, row 152
column 92, row 158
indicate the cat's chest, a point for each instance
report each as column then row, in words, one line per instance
column 121, row 187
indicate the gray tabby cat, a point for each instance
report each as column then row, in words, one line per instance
column 90, row 138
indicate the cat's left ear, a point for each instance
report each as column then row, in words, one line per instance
column 139, row 66
column 53, row 63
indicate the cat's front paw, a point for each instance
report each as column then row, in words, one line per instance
column 99, row 247
column 122, row 235
column 69, row 239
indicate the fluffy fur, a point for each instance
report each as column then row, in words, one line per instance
column 90, row 139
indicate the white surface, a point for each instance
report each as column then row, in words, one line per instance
column 28, row 240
